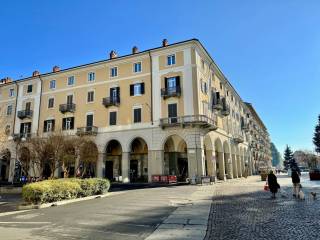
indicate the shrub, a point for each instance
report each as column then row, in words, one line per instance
column 61, row 189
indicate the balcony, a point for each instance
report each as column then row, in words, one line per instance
column 201, row 121
column 245, row 127
column 89, row 130
column 217, row 105
column 171, row 92
column 25, row 114
column 238, row 139
column 21, row 136
column 69, row 107
column 111, row 101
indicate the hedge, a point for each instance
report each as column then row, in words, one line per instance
column 61, row 189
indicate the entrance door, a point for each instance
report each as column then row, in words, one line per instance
column 183, row 169
column 172, row 112
column 69, row 99
column 133, row 170
column 109, row 170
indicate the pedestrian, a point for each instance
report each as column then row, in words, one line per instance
column 296, row 182
column 273, row 184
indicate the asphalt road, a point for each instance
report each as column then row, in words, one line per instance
column 126, row 215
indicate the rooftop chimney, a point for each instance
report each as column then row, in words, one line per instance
column 164, row 42
column 113, row 54
column 35, row 73
column 55, row 69
column 135, row 50
column 5, row 80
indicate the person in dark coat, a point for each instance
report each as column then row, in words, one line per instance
column 273, row 184
column 296, row 182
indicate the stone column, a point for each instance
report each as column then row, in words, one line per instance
column 11, row 169
column 100, row 165
column 125, row 165
column 196, row 167
column 220, row 159
column 209, row 161
column 239, row 166
column 155, row 163
column 228, row 165
column 234, row 163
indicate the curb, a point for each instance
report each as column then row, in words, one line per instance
column 64, row 202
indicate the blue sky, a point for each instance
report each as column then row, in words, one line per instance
column 269, row 50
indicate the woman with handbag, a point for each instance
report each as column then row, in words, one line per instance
column 273, row 184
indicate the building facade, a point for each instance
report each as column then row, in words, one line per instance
column 164, row 111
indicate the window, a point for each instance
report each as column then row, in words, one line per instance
column 11, row 92
column 89, row 120
column 52, row 84
column 28, row 106
column 171, row 59
column 69, row 99
column 25, row 128
column 29, row 88
column 68, row 123
column 202, row 64
column 90, row 97
column 9, row 110
column 114, row 72
column 221, row 86
column 137, row 89
column 48, row 125
column 70, row 80
column 112, row 118
column 172, row 112
column 91, row 76
column 137, row 115
column 51, row 103
column 204, row 87
column 137, row 67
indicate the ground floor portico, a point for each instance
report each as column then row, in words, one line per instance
column 188, row 153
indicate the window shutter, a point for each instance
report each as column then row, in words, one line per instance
column 142, row 88
column 166, row 82
column 218, row 96
column 178, row 81
column 45, row 126
column 72, row 123
column 21, row 127
column 64, row 120
column 131, row 89
column 118, row 91
column 53, row 124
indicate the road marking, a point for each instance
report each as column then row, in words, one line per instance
column 25, row 222
column 13, row 212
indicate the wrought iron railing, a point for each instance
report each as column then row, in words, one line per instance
column 89, row 130
column 25, row 114
column 171, row 92
column 111, row 101
column 68, row 107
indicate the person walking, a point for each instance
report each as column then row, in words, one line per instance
column 273, row 184
column 296, row 182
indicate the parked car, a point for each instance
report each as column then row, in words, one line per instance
column 314, row 174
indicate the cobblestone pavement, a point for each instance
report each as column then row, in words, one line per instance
column 242, row 210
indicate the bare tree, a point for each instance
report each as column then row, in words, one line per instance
column 88, row 157
column 69, row 155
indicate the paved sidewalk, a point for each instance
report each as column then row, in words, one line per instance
column 242, row 210
column 189, row 220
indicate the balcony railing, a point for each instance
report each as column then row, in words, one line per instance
column 25, row 114
column 238, row 139
column 89, row 130
column 171, row 92
column 190, row 120
column 68, row 107
column 111, row 101
column 217, row 105
column 22, row 136
column 245, row 127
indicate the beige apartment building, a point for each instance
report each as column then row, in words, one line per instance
column 164, row 111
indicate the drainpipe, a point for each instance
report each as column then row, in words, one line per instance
column 151, row 77
column 41, row 82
